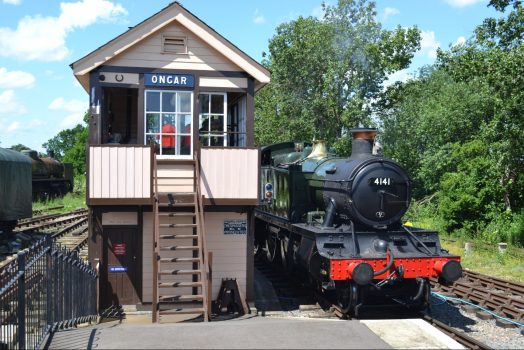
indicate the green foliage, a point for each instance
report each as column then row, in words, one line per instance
column 506, row 227
column 77, row 154
column 459, row 128
column 71, row 201
column 69, row 146
column 326, row 73
column 19, row 147
column 468, row 193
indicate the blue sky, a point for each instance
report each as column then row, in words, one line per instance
column 39, row 39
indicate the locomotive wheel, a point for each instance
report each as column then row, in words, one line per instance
column 347, row 296
column 286, row 255
column 272, row 248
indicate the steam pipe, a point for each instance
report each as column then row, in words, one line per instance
column 331, row 211
column 421, row 285
column 388, row 266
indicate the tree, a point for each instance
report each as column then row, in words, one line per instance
column 422, row 117
column 19, row 147
column 69, row 146
column 493, row 60
column 326, row 73
column 465, row 127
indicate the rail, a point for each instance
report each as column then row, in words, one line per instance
column 504, row 298
column 44, row 289
column 458, row 336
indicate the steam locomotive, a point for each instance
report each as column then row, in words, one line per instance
column 337, row 221
column 50, row 178
column 25, row 177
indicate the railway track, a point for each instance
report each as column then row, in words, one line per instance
column 70, row 230
column 458, row 336
column 504, row 298
column 45, row 222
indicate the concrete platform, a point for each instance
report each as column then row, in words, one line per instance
column 255, row 332
column 266, row 298
column 411, row 334
column 247, row 333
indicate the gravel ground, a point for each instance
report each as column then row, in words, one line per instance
column 483, row 330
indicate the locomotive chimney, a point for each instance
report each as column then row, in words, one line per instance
column 362, row 143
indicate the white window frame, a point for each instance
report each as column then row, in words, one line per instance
column 177, row 145
column 224, row 115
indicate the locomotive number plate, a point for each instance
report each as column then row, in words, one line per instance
column 381, row 181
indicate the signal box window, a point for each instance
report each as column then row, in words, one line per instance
column 212, row 119
column 168, row 122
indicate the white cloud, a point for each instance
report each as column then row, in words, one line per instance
column 428, row 44
column 43, row 38
column 74, row 108
column 258, row 18
column 464, row 3
column 13, row 126
column 15, row 79
column 73, row 105
column 388, row 12
column 9, row 104
column 460, row 41
column 12, row 2
column 72, row 120
column 401, row 75
column 17, row 125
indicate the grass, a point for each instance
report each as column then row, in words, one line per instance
column 486, row 258
column 71, row 201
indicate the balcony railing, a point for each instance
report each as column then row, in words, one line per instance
column 230, row 176
column 120, row 174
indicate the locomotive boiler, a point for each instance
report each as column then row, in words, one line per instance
column 50, row 178
column 337, row 221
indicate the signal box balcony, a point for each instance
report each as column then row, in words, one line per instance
column 123, row 175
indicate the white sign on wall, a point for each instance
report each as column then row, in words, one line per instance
column 120, row 218
column 235, row 227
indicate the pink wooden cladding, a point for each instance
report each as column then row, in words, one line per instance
column 119, row 172
column 229, row 173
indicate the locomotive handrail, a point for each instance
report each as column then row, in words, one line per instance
column 419, row 241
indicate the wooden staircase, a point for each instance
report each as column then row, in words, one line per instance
column 181, row 271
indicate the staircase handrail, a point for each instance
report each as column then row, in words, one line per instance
column 202, row 234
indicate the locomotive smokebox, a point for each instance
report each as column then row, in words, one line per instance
column 362, row 144
column 367, row 189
